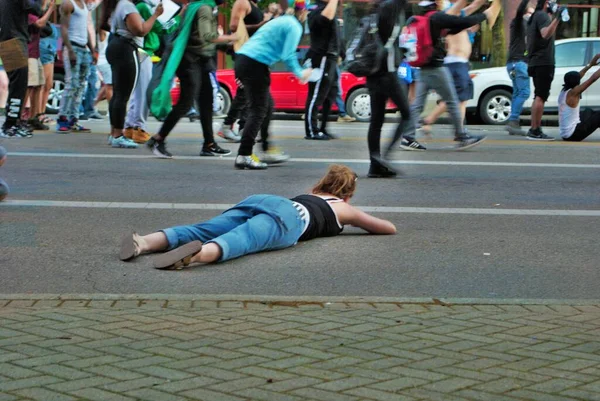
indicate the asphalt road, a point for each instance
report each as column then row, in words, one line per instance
column 509, row 219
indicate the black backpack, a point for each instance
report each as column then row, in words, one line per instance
column 366, row 52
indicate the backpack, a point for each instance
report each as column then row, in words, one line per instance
column 416, row 40
column 366, row 51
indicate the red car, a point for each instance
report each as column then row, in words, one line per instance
column 290, row 95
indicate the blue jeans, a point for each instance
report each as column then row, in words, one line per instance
column 91, row 91
column 258, row 223
column 75, row 79
column 517, row 71
column 341, row 105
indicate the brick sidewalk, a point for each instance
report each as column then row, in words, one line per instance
column 169, row 350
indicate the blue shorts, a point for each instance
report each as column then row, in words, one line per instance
column 47, row 56
column 462, row 80
column 1, row 67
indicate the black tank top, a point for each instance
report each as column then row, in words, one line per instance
column 323, row 221
column 255, row 17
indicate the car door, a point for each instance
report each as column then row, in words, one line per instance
column 569, row 56
column 592, row 95
column 284, row 87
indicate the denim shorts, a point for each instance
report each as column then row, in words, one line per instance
column 47, row 56
column 462, row 80
column 1, row 67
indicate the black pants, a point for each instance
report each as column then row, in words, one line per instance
column 125, row 65
column 381, row 88
column 321, row 94
column 590, row 122
column 194, row 80
column 255, row 77
column 17, row 87
column 238, row 108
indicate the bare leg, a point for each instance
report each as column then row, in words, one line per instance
column 210, row 253
column 49, row 77
column 3, row 88
column 537, row 109
column 435, row 114
column 26, row 113
column 152, row 242
column 463, row 110
column 492, row 12
column 35, row 101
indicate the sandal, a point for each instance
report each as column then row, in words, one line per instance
column 178, row 258
column 129, row 247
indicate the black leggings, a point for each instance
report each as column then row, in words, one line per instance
column 195, row 84
column 321, row 94
column 17, row 86
column 256, row 80
column 124, row 63
column 381, row 88
column 238, row 108
column 590, row 122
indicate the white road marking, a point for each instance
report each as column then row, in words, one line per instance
column 309, row 160
column 372, row 209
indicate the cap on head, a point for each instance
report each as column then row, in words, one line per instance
column 297, row 4
column 426, row 3
column 572, row 79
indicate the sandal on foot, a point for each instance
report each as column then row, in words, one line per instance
column 178, row 258
column 129, row 247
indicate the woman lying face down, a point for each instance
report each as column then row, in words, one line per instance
column 260, row 223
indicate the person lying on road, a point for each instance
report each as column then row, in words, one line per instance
column 260, row 223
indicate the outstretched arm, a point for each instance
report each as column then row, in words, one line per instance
column 350, row 215
column 591, row 64
column 579, row 89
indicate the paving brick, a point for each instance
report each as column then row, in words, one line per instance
column 142, row 362
column 28, row 383
column 216, row 373
column 581, row 395
column 291, row 384
column 368, row 393
column 15, row 372
column 64, row 372
column 185, row 384
column 41, row 394
column 121, row 387
column 236, row 385
column 290, row 362
column 95, row 394
column 450, row 385
column 465, row 373
column 574, row 365
column 321, row 395
column 207, row 395
column 346, row 383
column 165, row 373
column 153, row 395
column 563, row 374
column 554, row 385
column 502, row 385
column 265, row 352
column 7, row 397
column 534, row 396
column 73, row 385
column 482, row 396
column 88, row 362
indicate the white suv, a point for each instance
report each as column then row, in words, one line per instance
column 493, row 88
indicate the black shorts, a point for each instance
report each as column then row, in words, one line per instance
column 462, row 80
column 542, row 75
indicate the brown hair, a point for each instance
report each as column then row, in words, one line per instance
column 340, row 181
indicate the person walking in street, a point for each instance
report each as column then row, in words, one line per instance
column 260, row 223
column 323, row 54
column 517, row 66
column 541, row 32
column 127, row 31
column 135, row 122
column 253, row 19
column 575, row 126
column 434, row 75
column 196, row 44
column 48, row 48
column 275, row 41
column 384, row 84
column 77, row 60
column 458, row 52
column 14, row 23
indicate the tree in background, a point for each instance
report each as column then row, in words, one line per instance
column 499, row 43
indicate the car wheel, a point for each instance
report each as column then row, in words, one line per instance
column 358, row 105
column 495, row 107
column 223, row 101
column 58, row 86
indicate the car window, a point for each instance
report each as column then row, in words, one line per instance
column 595, row 47
column 570, row 54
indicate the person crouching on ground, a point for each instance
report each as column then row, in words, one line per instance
column 260, row 223
column 575, row 126
column 274, row 41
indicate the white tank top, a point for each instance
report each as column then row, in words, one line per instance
column 78, row 24
column 568, row 117
column 102, row 45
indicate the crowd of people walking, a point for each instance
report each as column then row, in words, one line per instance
column 132, row 32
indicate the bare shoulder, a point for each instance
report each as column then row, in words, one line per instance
column 66, row 7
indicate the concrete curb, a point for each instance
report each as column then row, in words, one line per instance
column 280, row 298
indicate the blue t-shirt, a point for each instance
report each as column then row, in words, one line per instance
column 274, row 41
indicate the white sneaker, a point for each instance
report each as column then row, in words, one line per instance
column 274, row 156
column 228, row 134
column 122, row 142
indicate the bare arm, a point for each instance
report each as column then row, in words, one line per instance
column 592, row 63
column 350, row 215
column 138, row 26
column 456, row 7
column 550, row 30
column 40, row 23
column 241, row 8
column 91, row 31
column 330, row 9
column 474, row 6
column 579, row 89
column 66, row 9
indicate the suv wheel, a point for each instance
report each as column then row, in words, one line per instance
column 358, row 105
column 495, row 107
column 58, row 86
